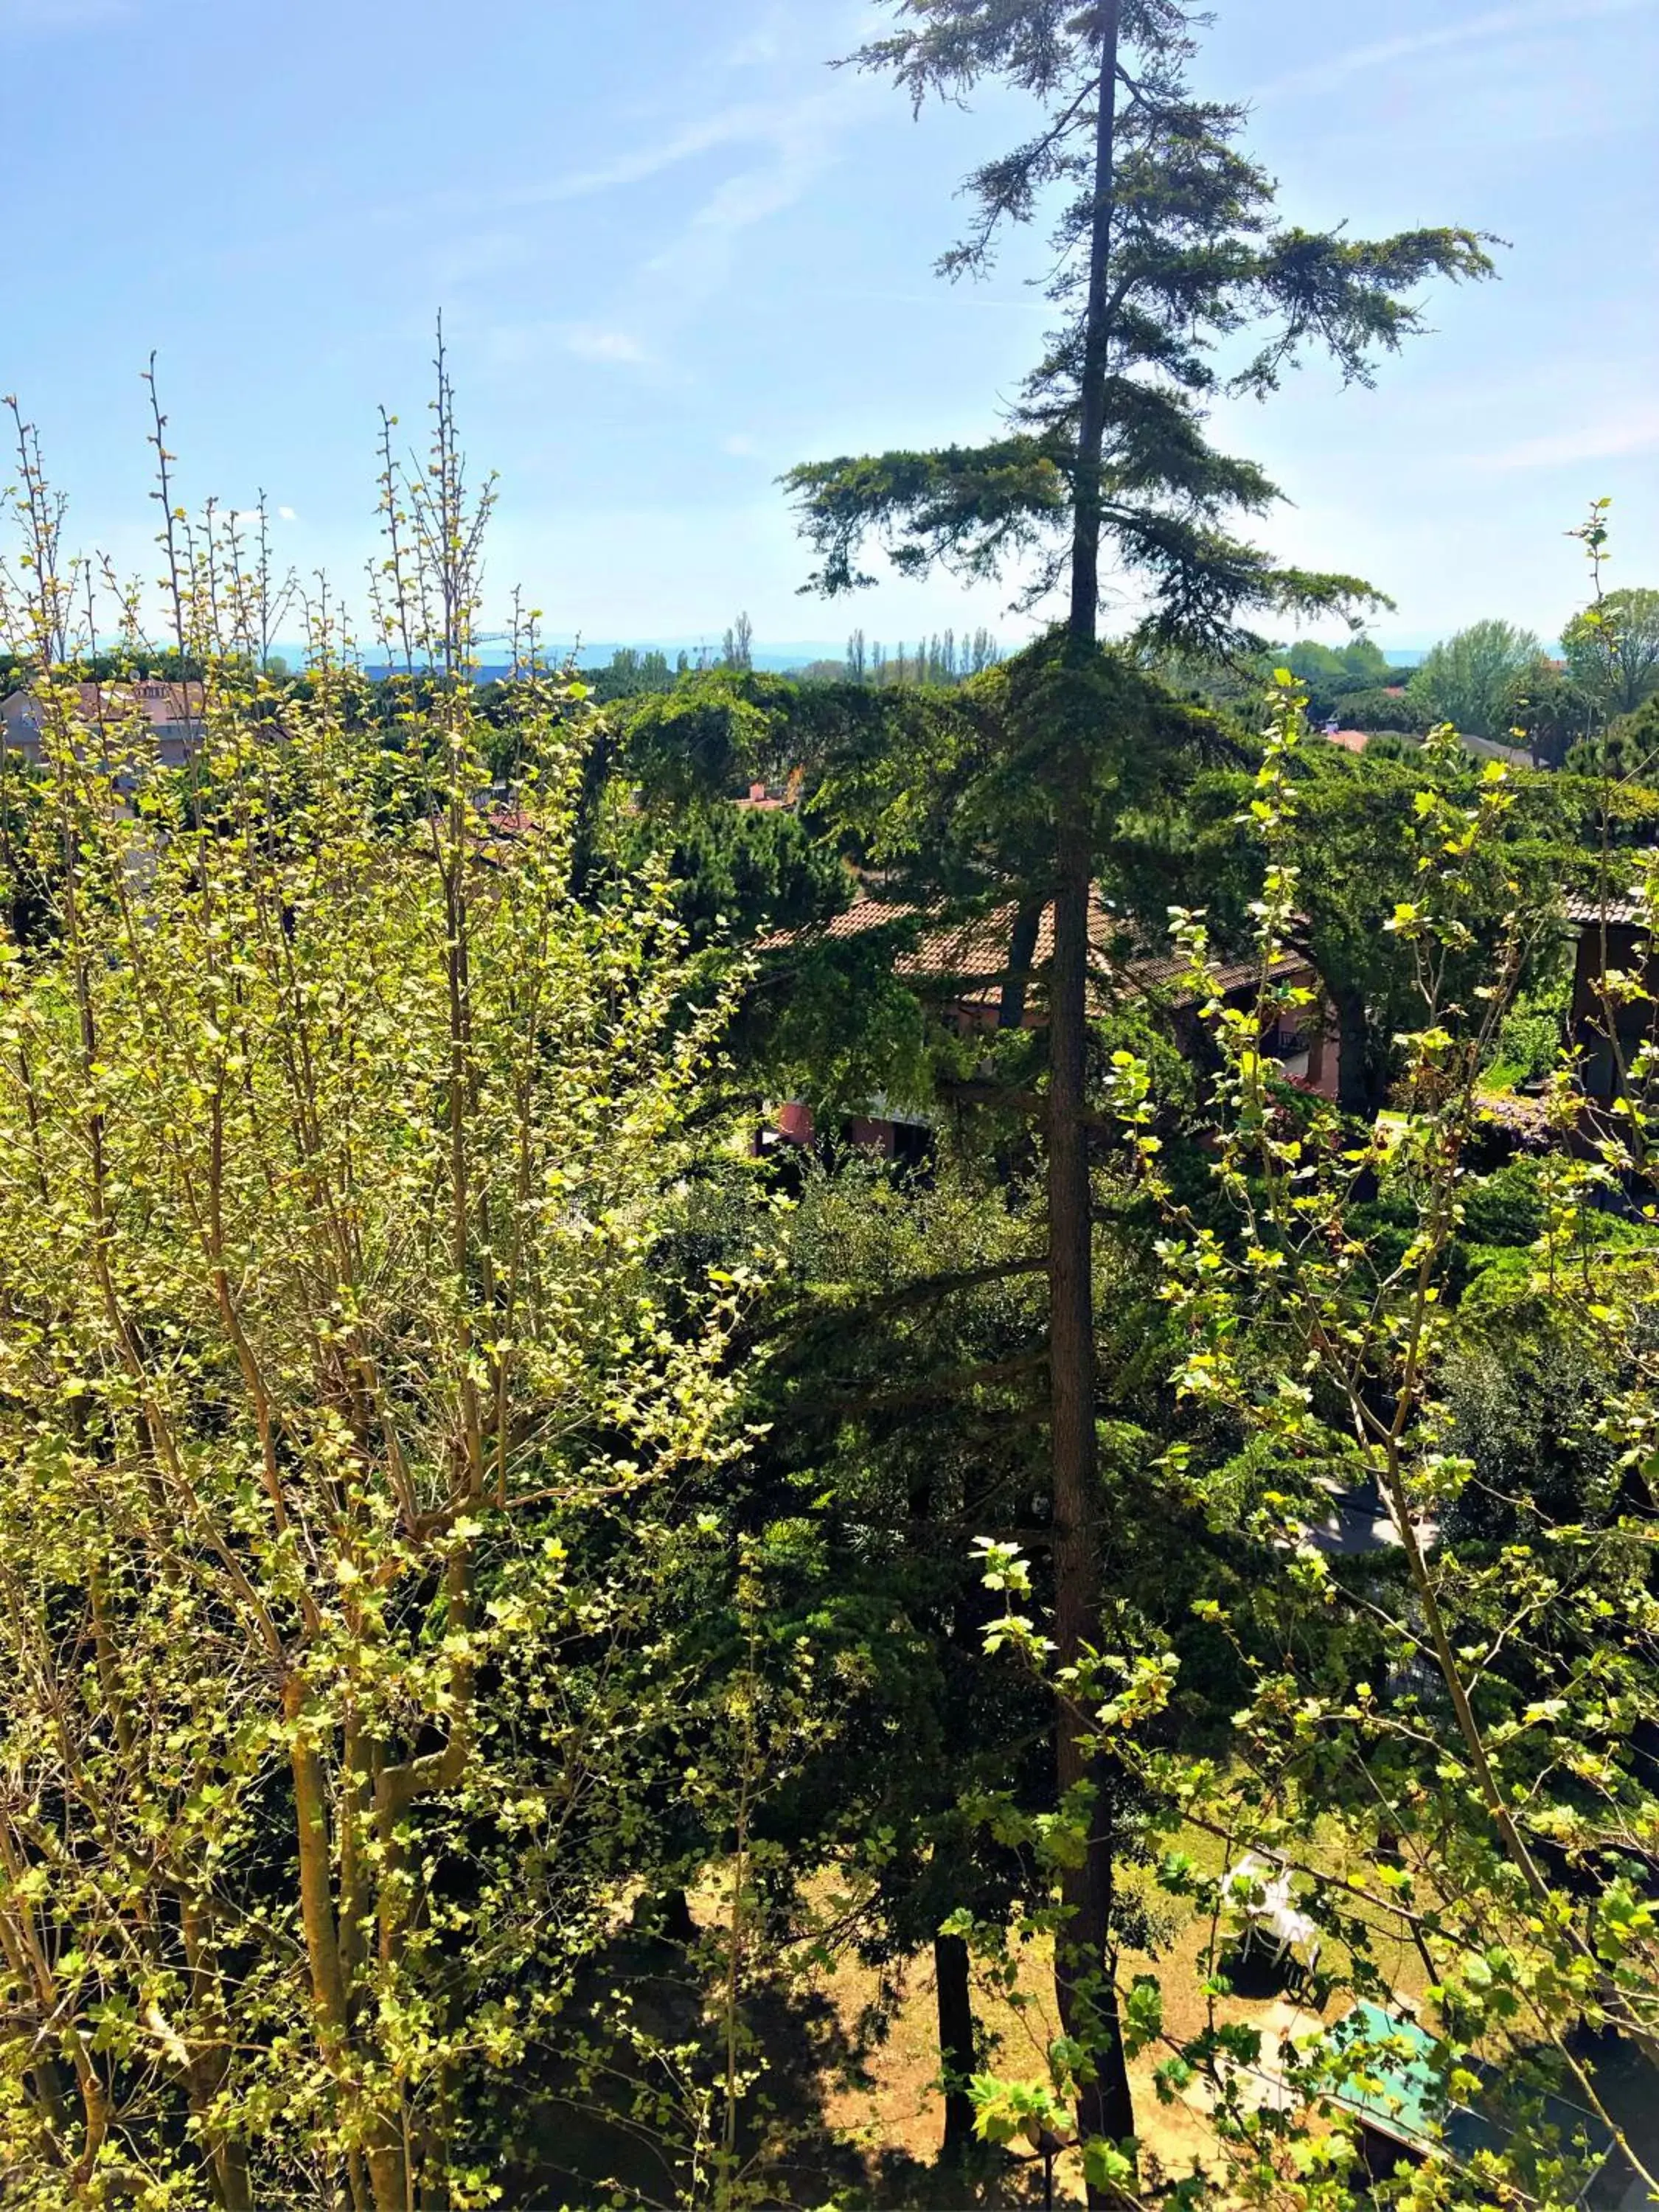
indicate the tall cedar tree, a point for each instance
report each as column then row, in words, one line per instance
column 1166, row 254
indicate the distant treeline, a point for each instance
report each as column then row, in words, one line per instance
column 1587, row 707
column 943, row 659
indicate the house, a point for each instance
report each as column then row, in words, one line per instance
column 961, row 971
column 172, row 714
column 761, row 800
column 773, row 798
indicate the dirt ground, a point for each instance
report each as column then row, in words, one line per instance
column 886, row 2108
column 845, row 2114
column 846, row 2111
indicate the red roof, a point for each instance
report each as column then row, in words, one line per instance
column 969, row 960
column 1351, row 741
column 156, row 699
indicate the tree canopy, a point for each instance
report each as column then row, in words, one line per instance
column 1476, row 679
column 1168, row 261
column 1613, row 650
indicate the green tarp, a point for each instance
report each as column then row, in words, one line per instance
column 1397, row 2089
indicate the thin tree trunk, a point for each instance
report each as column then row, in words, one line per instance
column 955, row 1995
column 1096, row 342
column 1087, row 2005
column 328, row 1993
column 210, row 2068
column 388, row 2171
column 1087, row 2001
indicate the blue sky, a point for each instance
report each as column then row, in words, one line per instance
column 676, row 254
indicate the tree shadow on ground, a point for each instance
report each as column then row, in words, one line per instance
column 626, row 2121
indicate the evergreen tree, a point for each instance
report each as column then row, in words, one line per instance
column 1166, row 247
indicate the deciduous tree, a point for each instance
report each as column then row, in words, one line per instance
column 339, row 1378
column 1475, row 680
column 1613, row 650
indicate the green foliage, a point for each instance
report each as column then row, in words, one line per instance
column 1612, row 651
column 717, row 732
column 1552, row 712
column 895, row 1412
column 1509, row 1207
column 458, row 1502
column 1627, row 751
column 956, row 794
column 1332, row 676
column 1524, row 1394
column 343, row 1396
column 1528, row 1047
column 737, row 871
column 1005, row 2110
column 1356, row 863
column 1484, row 1770
column 1476, row 680
column 1383, row 711
column 628, row 674
column 1192, row 258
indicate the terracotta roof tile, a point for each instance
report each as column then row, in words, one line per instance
column 157, row 701
column 1621, row 913
column 969, row 959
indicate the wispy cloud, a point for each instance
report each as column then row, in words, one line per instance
column 772, row 185
column 1609, row 438
column 743, row 122
column 778, row 151
column 747, row 162
column 521, row 345
column 590, row 343
column 1472, row 30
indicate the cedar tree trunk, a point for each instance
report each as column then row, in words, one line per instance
column 1087, row 2001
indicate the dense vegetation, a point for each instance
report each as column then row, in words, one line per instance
column 670, row 1341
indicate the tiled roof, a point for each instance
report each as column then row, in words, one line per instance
column 864, row 915
column 156, row 700
column 1621, row 913
column 969, row 959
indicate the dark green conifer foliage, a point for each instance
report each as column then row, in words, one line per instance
column 1173, row 285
